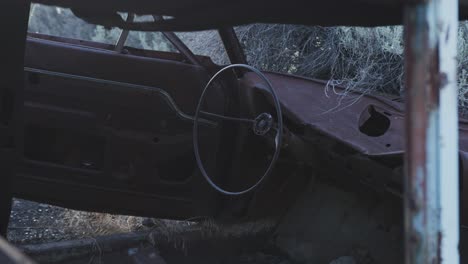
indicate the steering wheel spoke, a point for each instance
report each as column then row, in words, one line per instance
column 227, row 118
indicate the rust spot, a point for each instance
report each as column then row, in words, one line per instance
column 435, row 78
column 443, row 80
column 447, row 34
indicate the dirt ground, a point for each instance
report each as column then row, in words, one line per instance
column 36, row 223
column 32, row 223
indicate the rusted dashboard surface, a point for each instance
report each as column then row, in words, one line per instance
column 372, row 126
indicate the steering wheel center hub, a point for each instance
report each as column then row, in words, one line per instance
column 263, row 123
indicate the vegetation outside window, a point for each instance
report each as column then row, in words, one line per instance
column 61, row 22
column 205, row 43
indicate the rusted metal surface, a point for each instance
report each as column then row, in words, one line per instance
column 371, row 125
column 431, row 181
column 309, row 102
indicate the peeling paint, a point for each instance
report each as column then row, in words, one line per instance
column 431, row 141
column 443, row 80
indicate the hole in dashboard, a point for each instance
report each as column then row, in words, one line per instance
column 373, row 123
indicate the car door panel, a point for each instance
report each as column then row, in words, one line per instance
column 111, row 132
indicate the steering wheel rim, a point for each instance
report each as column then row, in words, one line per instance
column 278, row 137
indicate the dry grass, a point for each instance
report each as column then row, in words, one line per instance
column 206, row 43
column 95, row 224
column 363, row 59
column 463, row 67
column 178, row 233
column 368, row 60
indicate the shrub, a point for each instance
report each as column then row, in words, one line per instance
column 369, row 60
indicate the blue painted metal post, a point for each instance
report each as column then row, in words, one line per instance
column 431, row 186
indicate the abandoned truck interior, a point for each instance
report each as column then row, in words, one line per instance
column 172, row 134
